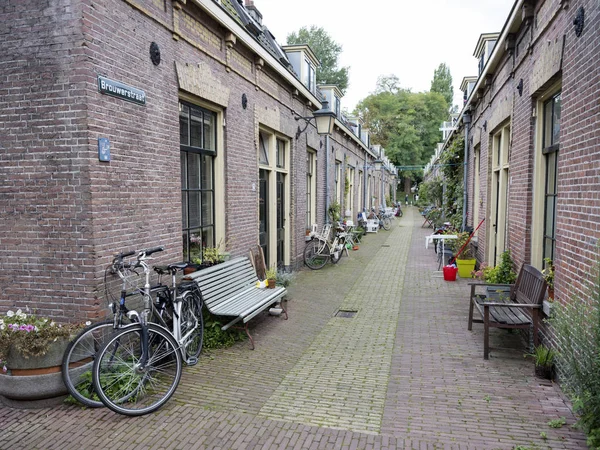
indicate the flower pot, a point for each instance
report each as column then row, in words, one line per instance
column 30, row 381
column 465, row 267
column 551, row 293
column 271, row 284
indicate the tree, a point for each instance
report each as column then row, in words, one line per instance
column 406, row 124
column 442, row 83
column 327, row 52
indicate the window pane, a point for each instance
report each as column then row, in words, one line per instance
column 195, row 244
column 184, row 132
column 263, row 155
column 184, row 210
column 551, row 172
column 193, row 181
column 194, row 211
column 207, row 237
column 280, row 153
column 549, row 225
column 195, row 128
column 207, row 208
column 547, row 139
column 207, row 175
column 183, row 171
column 556, row 120
column 209, row 131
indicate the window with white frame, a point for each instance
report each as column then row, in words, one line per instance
column 198, row 144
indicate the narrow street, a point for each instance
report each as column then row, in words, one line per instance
column 402, row 372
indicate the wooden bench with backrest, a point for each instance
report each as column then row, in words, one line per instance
column 518, row 309
column 230, row 289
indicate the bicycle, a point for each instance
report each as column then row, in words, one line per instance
column 384, row 220
column 183, row 301
column 138, row 369
column 320, row 249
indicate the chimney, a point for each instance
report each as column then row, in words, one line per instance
column 254, row 13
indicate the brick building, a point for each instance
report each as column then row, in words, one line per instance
column 134, row 123
column 533, row 132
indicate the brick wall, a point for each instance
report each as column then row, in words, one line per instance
column 65, row 213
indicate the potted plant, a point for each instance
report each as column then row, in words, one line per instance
column 548, row 273
column 544, row 361
column 271, row 275
column 334, row 211
column 210, row 257
column 465, row 261
column 31, row 351
column 503, row 273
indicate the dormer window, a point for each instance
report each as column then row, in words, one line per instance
column 333, row 95
column 484, row 48
column 305, row 64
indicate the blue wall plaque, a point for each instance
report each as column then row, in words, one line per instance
column 103, row 149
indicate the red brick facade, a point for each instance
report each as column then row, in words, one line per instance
column 64, row 212
column 547, row 56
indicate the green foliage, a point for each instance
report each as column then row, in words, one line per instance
column 453, row 170
column 544, row 356
column 327, row 52
column 557, row 423
column 271, row 273
column 406, row 124
column 442, row 83
column 503, row 273
column 576, row 326
column 430, row 192
column 215, row 338
column 334, row 211
column 548, row 272
column 285, row 278
column 458, row 243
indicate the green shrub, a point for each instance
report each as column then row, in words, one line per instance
column 577, row 329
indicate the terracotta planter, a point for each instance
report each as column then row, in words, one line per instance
column 35, row 378
column 551, row 293
column 271, row 284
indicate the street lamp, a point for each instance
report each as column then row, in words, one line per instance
column 324, row 120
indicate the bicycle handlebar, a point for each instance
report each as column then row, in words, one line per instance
column 149, row 251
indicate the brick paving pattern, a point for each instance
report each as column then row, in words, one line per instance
column 404, row 372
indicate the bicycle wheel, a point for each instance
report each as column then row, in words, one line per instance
column 336, row 253
column 192, row 323
column 386, row 223
column 78, row 360
column 316, row 254
column 127, row 388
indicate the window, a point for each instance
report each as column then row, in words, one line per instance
column 197, row 138
column 338, row 181
column 498, row 227
column 274, row 199
column 311, row 188
column 550, row 145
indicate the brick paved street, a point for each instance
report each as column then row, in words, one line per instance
column 403, row 372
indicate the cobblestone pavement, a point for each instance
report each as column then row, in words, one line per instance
column 401, row 372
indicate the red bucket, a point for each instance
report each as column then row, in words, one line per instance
column 450, row 273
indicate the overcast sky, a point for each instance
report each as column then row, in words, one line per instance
column 409, row 39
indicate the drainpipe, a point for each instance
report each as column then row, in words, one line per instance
column 466, row 123
column 326, row 179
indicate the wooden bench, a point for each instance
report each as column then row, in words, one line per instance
column 229, row 289
column 518, row 309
